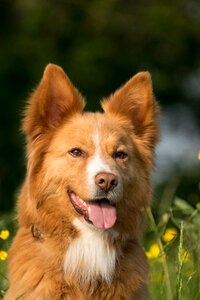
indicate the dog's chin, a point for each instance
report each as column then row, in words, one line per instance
column 99, row 212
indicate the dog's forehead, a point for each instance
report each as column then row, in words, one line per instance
column 89, row 130
column 91, row 126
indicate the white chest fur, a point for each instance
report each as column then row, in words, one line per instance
column 90, row 256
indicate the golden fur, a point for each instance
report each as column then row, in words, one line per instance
column 50, row 229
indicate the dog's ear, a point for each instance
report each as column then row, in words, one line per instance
column 135, row 102
column 54, row 100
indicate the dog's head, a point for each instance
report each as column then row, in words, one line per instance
column 94, row 166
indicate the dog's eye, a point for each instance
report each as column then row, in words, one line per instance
column 120, row 154
column 76, row 152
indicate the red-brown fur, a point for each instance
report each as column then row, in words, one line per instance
column 53, row 123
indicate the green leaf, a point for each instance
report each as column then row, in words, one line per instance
column 183, row 205
column 198, row 205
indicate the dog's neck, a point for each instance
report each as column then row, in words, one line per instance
column 92, row 255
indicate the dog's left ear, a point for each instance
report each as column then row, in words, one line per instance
column 54, row 100
column 135, row 102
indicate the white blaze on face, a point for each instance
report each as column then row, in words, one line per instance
column 97, row 163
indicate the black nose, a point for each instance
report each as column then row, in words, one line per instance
column 106, row 181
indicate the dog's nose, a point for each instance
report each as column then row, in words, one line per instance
column 106, row 181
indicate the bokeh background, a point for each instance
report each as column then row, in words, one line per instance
column 100, row 45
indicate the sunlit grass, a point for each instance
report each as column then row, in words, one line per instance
column 7, row 231
column 173, row 251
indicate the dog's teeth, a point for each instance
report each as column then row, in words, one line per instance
column 83, row 203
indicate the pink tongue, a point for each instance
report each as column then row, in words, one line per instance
column 102, row 214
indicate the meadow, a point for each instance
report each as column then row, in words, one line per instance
column 171, row 243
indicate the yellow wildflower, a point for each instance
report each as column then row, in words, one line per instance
column 170, row 234
column 4, row 234
column 199, row 155
column 3, row 255
column 154, row 251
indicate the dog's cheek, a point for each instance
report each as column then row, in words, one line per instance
column 68, row 174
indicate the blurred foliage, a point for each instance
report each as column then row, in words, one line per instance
column 100, row 44
column 174, row 246
column 8, row 229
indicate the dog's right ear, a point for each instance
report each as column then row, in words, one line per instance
column 54, row 100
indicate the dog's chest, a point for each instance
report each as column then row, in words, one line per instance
column 90, row 257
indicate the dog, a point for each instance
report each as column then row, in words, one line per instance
column 81, row 207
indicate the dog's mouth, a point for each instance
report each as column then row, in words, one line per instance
column 99, row 212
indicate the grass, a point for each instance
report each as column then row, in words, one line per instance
column 174, row 266
column 172, row 245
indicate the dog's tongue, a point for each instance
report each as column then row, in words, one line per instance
column 101, row 214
